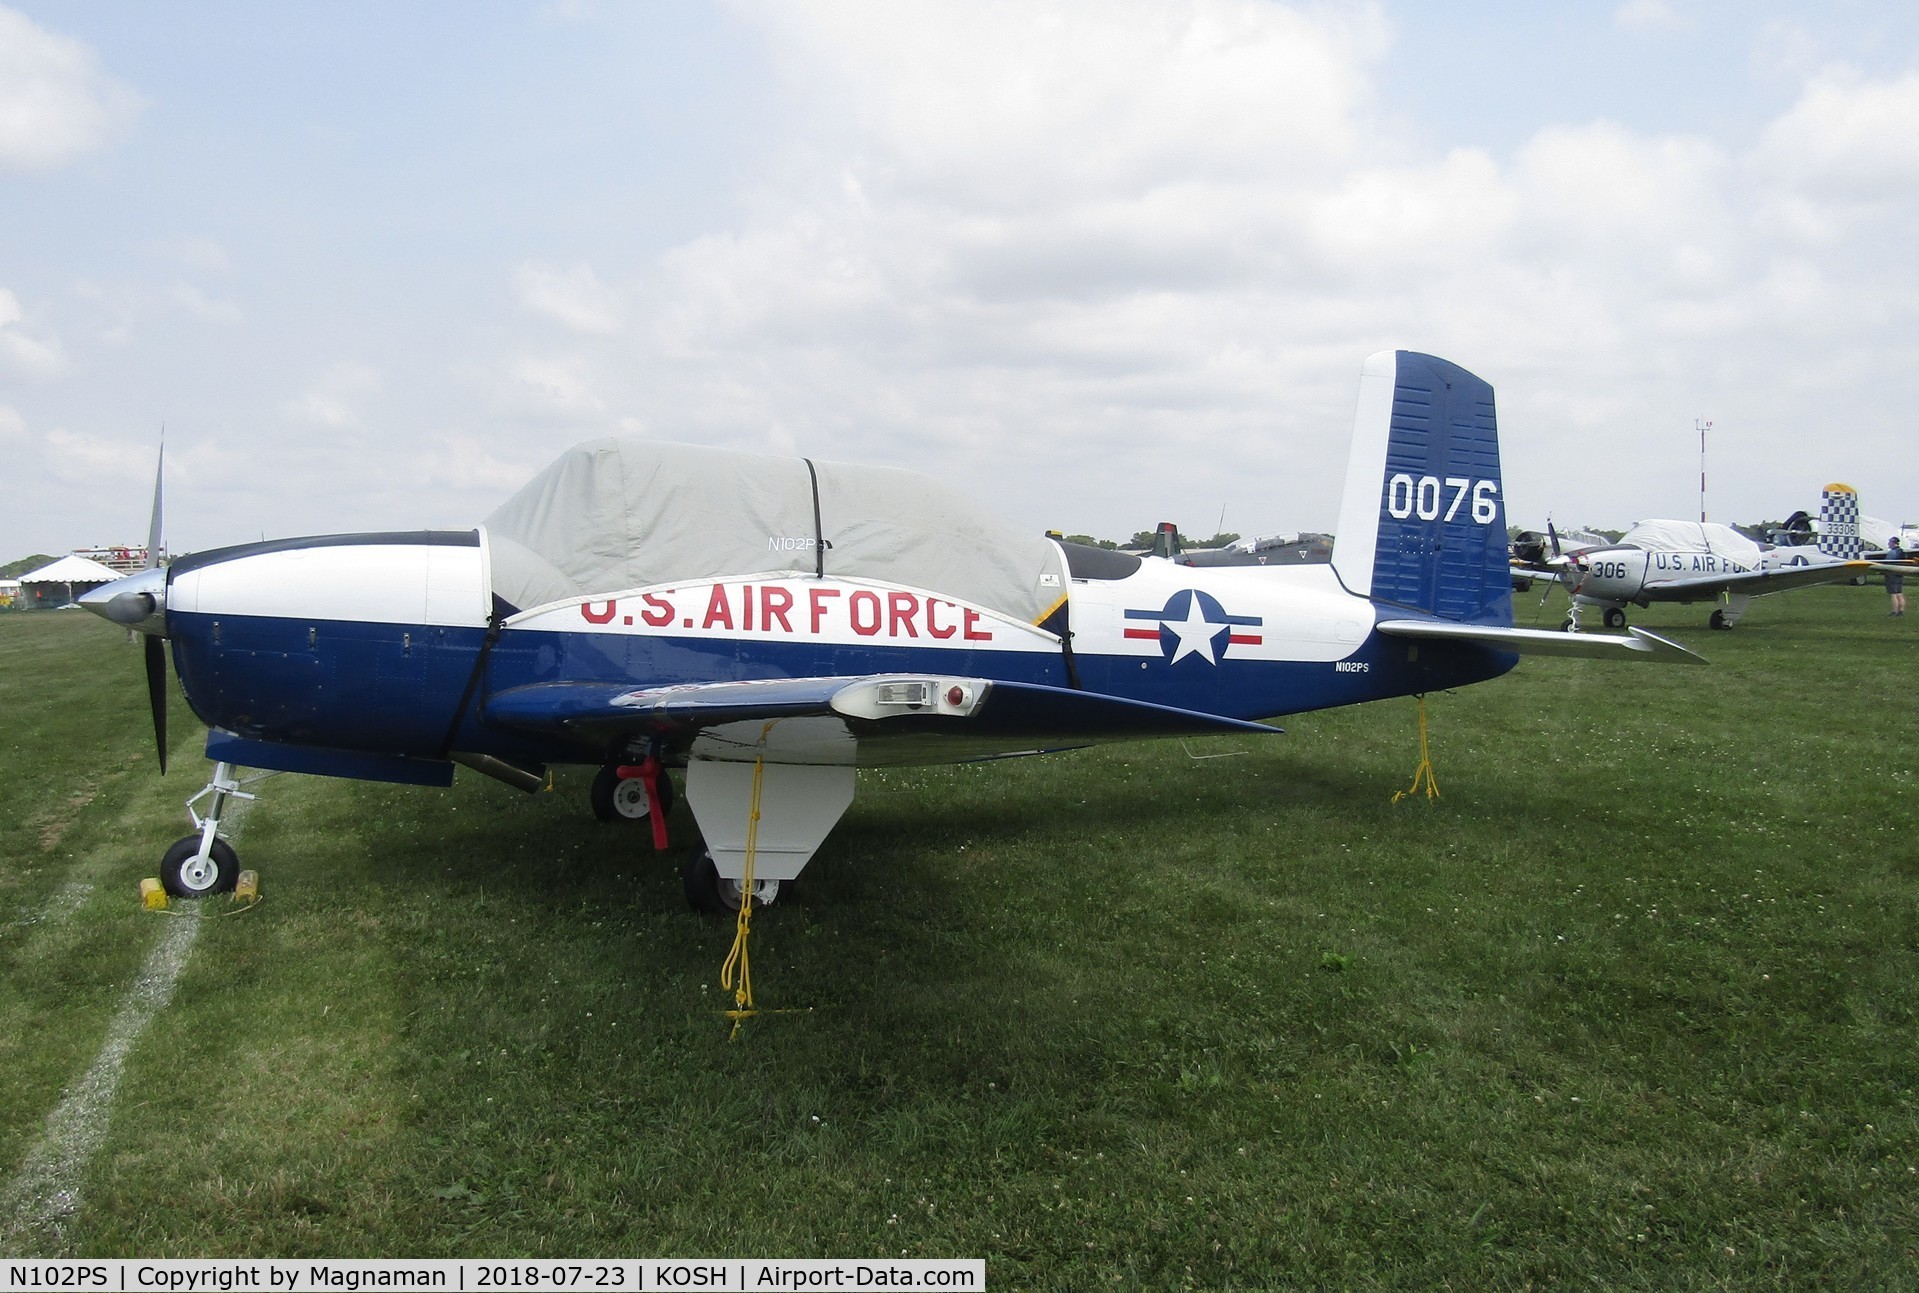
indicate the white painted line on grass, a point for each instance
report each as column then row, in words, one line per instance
column 46, row 1190
column 66, row 900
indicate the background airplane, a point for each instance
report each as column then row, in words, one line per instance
column 1540, row 554
column 1801, row 530
column 1695, row 561
column 1285, row 549
column 771, row 624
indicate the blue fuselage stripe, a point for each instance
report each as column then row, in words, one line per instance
column 395, row 688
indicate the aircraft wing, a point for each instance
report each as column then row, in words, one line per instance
column 1543, row 642
column 874, row 719
column 1751, row 583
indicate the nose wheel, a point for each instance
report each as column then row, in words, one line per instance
column 187, row 873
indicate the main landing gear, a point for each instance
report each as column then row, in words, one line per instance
column 203, row 863
column 710, row 892
column 620, row 795
column 1615, row 618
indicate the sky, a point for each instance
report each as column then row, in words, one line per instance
column 1103, row 262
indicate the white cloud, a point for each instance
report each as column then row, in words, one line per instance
column 553, row 385
column 12, row 425
column 1108, row 262
column 204, row 255
column 187, row 297
column 79, row 458
column 1847, row 138
column 1033, row 242
column 572, row 295
column 333, row 402
column 469, row 464
column 1649, row 17
column 1005, row 103
column 1023, row 231
column 570, row 11
column 27, row 351
column 55, row 101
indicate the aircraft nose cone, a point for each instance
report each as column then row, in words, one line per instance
column 138, row 601
column 1576, row 572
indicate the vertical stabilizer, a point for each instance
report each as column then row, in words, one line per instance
column 1423, row 521
column 1839, row 523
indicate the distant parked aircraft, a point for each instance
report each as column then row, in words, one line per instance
column 1698, row 561
column 1293, row 548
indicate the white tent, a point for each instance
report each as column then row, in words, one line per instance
column 60, row 582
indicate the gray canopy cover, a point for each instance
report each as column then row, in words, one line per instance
column 613, row 515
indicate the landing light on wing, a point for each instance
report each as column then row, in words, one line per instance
column 891, row 697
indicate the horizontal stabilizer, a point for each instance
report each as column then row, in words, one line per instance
column 1601, row 646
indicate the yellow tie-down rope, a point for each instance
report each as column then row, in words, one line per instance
column 742, row 989
column 1425, row 770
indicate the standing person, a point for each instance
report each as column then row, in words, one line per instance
column 1895, row 581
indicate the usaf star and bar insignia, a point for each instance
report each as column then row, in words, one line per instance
column 1193, row 623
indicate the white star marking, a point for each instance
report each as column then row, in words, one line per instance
column 1196, row 633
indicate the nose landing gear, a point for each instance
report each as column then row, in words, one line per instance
column 204, row 863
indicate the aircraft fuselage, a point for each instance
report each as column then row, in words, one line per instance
column 380, row 643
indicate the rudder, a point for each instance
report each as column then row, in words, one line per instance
column 1423, row 521
column 1839, row 523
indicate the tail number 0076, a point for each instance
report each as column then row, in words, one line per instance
column 1426, row 498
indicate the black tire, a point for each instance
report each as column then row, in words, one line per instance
column 1615, row 618
column 707, row 893
column 1567, row 625
column 183, row 878
column 623, row 799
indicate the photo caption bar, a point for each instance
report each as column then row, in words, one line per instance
column 468, row 1275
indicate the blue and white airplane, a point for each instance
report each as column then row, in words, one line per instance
column 770, row 625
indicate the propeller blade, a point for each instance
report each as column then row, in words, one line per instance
column 153, row 527
column 157, row 694
column 156, row 653
column 1550, row 532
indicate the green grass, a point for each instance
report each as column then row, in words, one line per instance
column 1631, row 1005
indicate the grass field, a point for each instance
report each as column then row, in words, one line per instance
column 1631, row 1006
